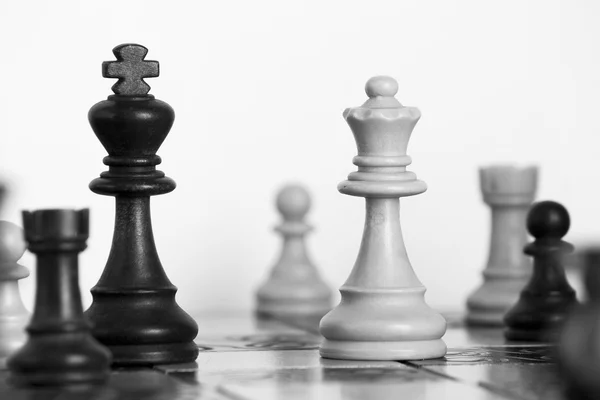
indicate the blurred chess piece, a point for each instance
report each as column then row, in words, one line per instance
column 579, row 351
column 509, row 191
column 576, row 264
column 547, row 298
column 3, row 192
column 294, row 286
column 13, row 315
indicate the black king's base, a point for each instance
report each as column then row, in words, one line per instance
column 134, row 312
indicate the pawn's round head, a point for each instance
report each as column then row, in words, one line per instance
column 384, row 86
column 548, row 220
column 12, row 242
column 293, row 202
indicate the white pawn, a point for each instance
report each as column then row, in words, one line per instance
column 383, row 314
column 294, row 286
column 13, row 315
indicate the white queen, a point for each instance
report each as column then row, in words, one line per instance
column 382, row 314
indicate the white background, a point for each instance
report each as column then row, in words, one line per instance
column 258, row 89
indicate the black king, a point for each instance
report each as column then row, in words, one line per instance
column 134, row 312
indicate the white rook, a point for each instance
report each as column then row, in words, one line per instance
column 509, row 191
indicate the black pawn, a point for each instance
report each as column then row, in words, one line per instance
column 545, row 301
column 134, row 312
column 60, row 350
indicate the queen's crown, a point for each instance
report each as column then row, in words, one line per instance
column 382, row 128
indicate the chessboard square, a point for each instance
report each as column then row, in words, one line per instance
column 236, row 331
column 357, row 389
column 494, row 355
column 224, row 363
column 514, row 380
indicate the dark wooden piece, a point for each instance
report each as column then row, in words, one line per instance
column 134, row 310
column 591, row 273
column 3, row 193
column 545, row 301
column 60, row 349
column 131, row 69
column 579, row 353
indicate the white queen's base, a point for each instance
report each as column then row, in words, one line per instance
column 413, row 350
column 383, row 324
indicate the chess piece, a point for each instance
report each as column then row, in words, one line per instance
column 134, row 310
column 509, row 191
column 60, row 350
column 547, row 297
column 294, row 286
column 575, row 266
column 382, row 314
column 3, row 193
column 579, row 355
column 13, row 315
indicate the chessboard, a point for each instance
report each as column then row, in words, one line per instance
column 381, row 342
column 246, row 357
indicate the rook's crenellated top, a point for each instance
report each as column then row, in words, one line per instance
column 508, row 184
column 56, row 230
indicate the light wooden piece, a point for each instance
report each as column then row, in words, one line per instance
column 13, row 314
column 382, row 314
column 294, row 286
column 509, row 191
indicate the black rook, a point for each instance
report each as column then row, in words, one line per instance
column 134, row 310
column 60, row 350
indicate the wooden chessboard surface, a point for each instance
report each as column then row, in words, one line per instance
column 244, row 357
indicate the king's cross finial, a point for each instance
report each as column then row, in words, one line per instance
column 131, row 69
